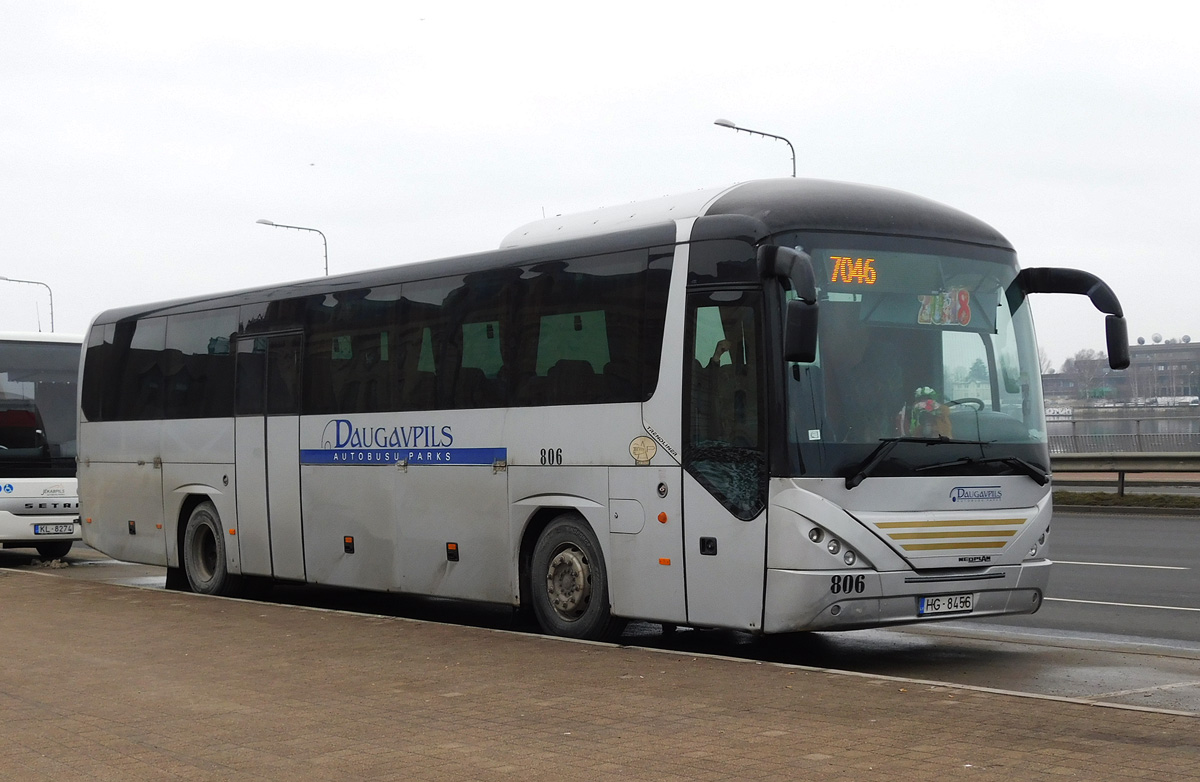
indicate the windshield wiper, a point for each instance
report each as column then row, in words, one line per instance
column 1034, row 471
column 886, row 444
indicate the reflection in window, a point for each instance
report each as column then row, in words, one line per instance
column 198, row 363
column 37, row 404
column 141, row 378
column 577, row 331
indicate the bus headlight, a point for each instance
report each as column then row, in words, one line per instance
column 834, row 546
column 850, row 558
column 816, row 534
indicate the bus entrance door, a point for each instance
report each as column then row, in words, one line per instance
column 267, row 441
column 724, row 456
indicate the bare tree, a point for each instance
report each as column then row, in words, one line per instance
column 1087, row 369
column 1044, row 362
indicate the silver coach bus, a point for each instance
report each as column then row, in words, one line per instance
column 785, row 405
column 38, row 506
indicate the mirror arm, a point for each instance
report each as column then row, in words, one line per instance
column 792, row 265
column 1051, row 279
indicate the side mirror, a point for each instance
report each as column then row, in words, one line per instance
column 1058, row 280
column 792, row 265
column 800, row 319
column 800, row 332
column 1116, row 333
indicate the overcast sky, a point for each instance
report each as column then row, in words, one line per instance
column 140, row 142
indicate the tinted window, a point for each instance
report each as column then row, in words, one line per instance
column 37, row 406
column 422, row 337
column 141, row 379
column 283, row 374
column 724, row 446
column 562, row 332
column 199, row 364
column 353, row 354
column 591, row 330
column 722, row 261
column 97, row 397
column 251, row 378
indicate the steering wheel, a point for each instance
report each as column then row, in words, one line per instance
column 967, row 400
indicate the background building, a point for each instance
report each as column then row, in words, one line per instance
column 1162, row 374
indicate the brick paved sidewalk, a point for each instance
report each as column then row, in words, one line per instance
column 115, row 683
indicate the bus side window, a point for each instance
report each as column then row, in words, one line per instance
column 140, row 367
column 417, row 384
column 572, row 354
column 481, row 378
column 199, row 363
column 724, row 437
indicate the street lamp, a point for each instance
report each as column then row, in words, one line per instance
column 728, row 124
column 302, row 228
column 44, row 285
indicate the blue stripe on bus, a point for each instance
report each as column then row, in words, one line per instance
column 414, row 456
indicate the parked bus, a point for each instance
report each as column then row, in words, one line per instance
column 785, row 405
column 38, row 382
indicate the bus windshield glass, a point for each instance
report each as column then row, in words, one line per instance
column 37, row 408
column 922, row 368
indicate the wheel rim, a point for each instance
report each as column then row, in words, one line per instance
column 569, row 583
column 205, row 547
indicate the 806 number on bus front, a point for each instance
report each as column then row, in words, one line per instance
column 848, row 585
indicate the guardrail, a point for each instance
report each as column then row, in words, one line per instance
column 1154, row 434
column 1120, row 445
column 1124, row 463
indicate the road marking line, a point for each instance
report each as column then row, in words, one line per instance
column 1120, row 605
column 1116, row 564
column 1159, row 688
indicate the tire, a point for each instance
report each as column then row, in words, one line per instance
column 204, row 560
column 569, row 582
column 177, row 580
column 53, row 550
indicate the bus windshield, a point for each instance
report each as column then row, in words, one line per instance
column 37, row 407
column 922, row 368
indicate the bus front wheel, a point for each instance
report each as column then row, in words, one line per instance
column 204, row 553
column 569, row 582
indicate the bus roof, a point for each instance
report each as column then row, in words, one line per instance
column 775, row 204
column 781, row 204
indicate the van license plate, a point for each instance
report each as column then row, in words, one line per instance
column 53, row 529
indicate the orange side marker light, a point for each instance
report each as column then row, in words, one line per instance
column 664, row 560
column 662, row 517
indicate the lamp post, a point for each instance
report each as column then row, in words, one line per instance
column 44, row 285
column 728, row 124
column 302, row 228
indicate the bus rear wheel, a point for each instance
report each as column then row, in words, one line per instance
column 569, row 582
column 204, row 560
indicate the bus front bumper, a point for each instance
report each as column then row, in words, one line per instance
column 798, row 600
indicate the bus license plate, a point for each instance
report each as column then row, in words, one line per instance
column 946, row 604
column 53, row 529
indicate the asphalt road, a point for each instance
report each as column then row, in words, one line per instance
column 1123, row 576
column 1121, row 622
